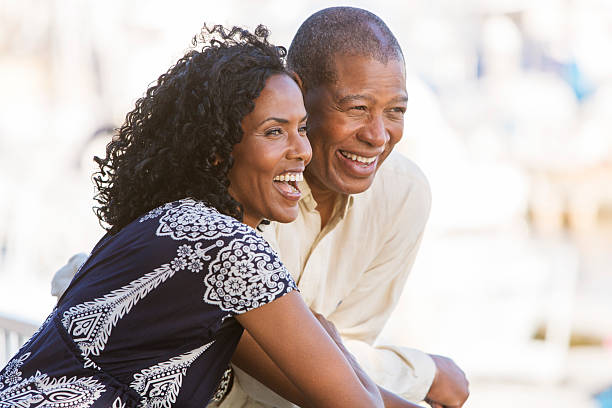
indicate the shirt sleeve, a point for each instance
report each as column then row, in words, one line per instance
column 245, row 274
column 363, row 313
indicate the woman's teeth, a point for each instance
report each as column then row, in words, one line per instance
column 288, row 181
column 360, row 159
column 289, row 177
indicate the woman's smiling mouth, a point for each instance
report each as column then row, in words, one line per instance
column 286, row 184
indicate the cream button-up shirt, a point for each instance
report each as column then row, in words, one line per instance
column 353, row 271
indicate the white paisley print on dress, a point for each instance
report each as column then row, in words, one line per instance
column 41, row 391
column 246, row 274
column 90, row 323
column 12, row 375
column 160, row 384
column 117, row 403
column 193, row 220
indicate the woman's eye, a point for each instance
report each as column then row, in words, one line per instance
column 302, row 129
column 274, row 132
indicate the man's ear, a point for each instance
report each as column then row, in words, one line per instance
column 298, row 80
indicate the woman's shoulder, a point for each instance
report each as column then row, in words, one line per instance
column 242, row 271
column 193, row 220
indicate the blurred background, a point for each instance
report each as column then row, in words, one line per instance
column 510, row 117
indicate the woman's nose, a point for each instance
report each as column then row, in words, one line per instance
column 300, row 148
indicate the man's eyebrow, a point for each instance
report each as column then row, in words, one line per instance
column 403, row 98
column 354, row 97
column 358, row 97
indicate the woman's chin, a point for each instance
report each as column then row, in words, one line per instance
column 285, row 216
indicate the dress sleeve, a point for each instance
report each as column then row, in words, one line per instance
column 246, row 273
column 241, row 271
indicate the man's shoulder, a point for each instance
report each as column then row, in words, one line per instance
column 399, row 198
column 398, row 179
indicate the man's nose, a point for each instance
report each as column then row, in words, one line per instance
column 374, row 133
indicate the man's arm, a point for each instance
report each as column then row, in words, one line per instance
column 362, row 314
column 364, row 311
column 408, row 372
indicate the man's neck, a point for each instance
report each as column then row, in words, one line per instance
column 325, row 198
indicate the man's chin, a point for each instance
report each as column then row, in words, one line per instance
column 354, row 186
column 339, row 183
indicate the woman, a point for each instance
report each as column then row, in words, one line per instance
column 154, row 315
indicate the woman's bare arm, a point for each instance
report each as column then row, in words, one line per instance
column 390, row 399
column 254, row 361
column 315, row 371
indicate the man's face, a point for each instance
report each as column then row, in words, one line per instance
column 354, row 122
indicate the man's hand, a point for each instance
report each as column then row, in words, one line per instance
column 450, row 386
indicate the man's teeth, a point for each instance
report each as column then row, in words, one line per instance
column 289, row 177
column 361, row 159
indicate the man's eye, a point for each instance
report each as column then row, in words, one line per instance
column 359, row 107
column 399, row 110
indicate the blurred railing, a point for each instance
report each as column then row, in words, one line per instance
column 14, row 333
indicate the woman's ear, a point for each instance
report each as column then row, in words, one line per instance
column 216, row 160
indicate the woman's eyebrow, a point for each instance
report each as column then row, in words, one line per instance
column 272, row 118
column 279, row 120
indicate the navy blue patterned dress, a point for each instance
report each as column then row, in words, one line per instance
column 148, row 320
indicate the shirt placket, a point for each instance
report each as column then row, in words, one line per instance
column 314, row 275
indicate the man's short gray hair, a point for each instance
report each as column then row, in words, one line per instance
column 339, row 31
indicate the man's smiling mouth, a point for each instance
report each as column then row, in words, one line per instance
column 357, row 158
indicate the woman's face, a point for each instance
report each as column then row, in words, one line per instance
column 272, row 155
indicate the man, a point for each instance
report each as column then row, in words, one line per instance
column 360, row 223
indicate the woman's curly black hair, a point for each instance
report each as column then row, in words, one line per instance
column 178, row 140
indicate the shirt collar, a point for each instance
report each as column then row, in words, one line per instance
column 342, row 206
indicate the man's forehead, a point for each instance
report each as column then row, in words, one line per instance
column 361, row 58
column 362, row 77
column 346, row 66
